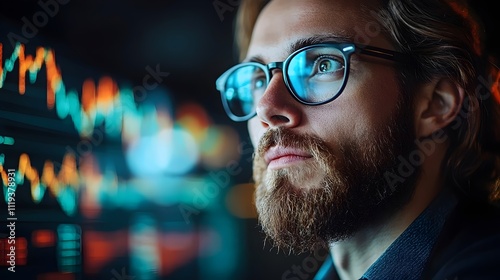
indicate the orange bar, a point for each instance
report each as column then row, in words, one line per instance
column 22, row 70
column 43, row 238
column 88, row 95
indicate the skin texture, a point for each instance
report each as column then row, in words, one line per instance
column 362, row 115
column 368, row 88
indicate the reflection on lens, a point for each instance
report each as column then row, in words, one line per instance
column 316, row 74
column 242, row 88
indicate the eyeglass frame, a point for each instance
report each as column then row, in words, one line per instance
column 347, row 49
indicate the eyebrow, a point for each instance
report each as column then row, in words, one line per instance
column 304, row 42
column 317, row 39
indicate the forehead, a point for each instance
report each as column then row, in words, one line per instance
column 284, row 22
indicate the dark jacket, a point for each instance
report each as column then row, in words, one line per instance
column 467, row 247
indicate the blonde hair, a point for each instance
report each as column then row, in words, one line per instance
column 246, row 17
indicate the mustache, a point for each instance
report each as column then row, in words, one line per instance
column 279, row 137
column 286, row 138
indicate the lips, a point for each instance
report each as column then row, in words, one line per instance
column 278, row 157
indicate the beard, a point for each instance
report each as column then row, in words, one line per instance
column 331, row 196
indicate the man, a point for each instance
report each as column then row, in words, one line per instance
column 376, row 134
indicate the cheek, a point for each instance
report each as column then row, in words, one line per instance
column 371, row 101
column 377, row 93
column 255, row 130
column 359, row 113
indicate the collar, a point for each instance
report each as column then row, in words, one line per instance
column 407, row 256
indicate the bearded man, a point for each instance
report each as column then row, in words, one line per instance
column 376, row 133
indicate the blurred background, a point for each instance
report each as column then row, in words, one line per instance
column 120, row 158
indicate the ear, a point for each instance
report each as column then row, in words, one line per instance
column 436, row 105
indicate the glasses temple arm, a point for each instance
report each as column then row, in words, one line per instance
column 383, row 53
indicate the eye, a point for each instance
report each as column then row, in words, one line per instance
column 328, row 65
column 258, row 82
column 325, row 66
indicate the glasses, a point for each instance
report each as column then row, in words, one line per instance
column 314, row 75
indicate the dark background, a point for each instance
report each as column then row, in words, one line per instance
column 188, row 39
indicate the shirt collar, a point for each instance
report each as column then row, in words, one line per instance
column 407, row 256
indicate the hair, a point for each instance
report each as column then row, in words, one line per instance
column 445, row 39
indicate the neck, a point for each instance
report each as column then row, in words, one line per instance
column 353, row 256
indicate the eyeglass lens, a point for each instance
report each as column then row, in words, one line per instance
column 313, row 75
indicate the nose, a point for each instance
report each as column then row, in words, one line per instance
column 277, row 107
